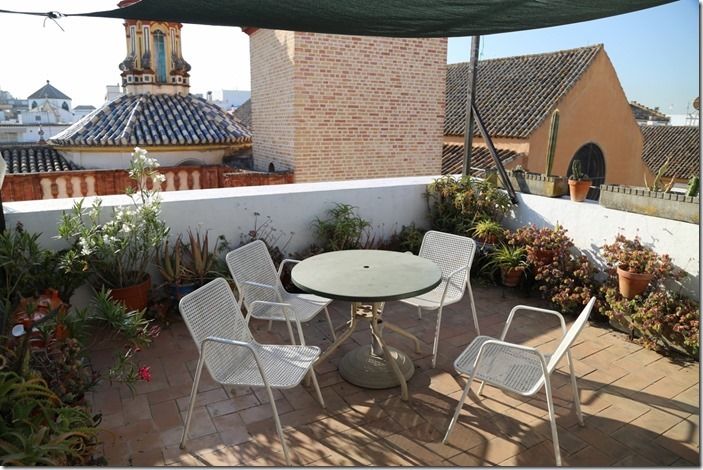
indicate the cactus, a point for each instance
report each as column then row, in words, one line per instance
column 576, row 172
column 693, row 185
column 657, row 183
column 552, row 142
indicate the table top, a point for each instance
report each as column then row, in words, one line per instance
column 366, row 275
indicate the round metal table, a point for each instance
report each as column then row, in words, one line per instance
column 369, row 277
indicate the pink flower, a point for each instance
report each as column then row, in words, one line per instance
column 145, row 373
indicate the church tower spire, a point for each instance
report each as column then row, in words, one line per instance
column 154, row 63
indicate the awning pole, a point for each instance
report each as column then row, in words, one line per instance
column 470, row 97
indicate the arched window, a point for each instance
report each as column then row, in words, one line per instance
column 65, row 106
column 34, row 104
column 272, row 168
column 160, row 53
column 593, row 165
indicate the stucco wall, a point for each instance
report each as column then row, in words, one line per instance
column 387, row 203
column 116, row 160
column 596, row 111
column 345, row 107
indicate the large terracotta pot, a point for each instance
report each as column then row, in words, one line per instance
column 632, row 284
column 134, row 297
column 579, row 189
column 511, row 276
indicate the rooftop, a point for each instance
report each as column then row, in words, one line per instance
column 34, row 159
column 453, row 158
column 640, row 408
column 680, row 144
column 154, row 119
column 515, row 94
column 48, row 91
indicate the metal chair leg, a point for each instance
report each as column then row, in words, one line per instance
column 473, row 305
column 419, row 313
column 317, row 387
column 480, row 388
column 459, row 406
column 329, row 322
column 278, row 426
column 270, row 325
column 435, row 346
column 552, row 420
column 575, row 388
column 193, row 393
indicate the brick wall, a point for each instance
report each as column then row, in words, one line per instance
column 272, row 98
column 60, row 184
column 357, row 107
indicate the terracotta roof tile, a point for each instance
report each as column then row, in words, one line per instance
column 154, row 120
column 515, row 94
column 680, row 143
column 34, row 159
column 453, row 158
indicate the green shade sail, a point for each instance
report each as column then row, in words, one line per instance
column 396, row 18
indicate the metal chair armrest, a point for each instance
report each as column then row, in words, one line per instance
column 517, row 308
column 240, row 344
column 280, row 266
column 262, row 286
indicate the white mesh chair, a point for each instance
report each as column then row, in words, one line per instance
column 233, row 357
column 520, row 369
column 263, row 295
column 454, row 255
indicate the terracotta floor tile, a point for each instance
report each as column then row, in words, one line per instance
column 640, row 408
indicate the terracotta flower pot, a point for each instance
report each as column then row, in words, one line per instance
column 511, row 276
column 579, row 189
column 632, row 284
column 134, row 297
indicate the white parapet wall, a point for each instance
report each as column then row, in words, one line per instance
column 591, row 226
column 387, row 203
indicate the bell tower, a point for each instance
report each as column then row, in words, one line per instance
column 154, row 63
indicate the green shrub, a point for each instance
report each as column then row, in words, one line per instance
column 37, row 428
column 342, row 230
column 456, row 205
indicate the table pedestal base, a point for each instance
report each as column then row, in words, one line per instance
column 364, row 369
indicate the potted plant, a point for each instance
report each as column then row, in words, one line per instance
column 512, row 261
column 488, row 231
column 172, row 266
column 637, row 265
column 579, row 183
column 201, row 259
column 117, row 253
column 543, row 245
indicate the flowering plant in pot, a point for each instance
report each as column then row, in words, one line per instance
column 512, row 262
column 579, row 183
column 117, row 253
column 637, row 265
column 543, row 245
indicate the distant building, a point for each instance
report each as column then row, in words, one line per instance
column 156, row 112
column 232, row 99
column 648, row 116
column 243, row 113
column 47, row 105
column 112, row 92
column 517, row 95
column 79, row 112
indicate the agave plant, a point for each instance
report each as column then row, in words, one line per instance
column 202, row 260
column 172, row 263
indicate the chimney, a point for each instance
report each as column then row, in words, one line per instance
column 209, row 97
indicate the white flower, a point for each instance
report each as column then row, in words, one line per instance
column 126, row 228
column 159, row 178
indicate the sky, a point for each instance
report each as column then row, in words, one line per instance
column 655, row 51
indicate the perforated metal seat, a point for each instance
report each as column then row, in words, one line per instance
column 520, row 369
column 263, row 295
column 231, row 354
column 454, row 255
